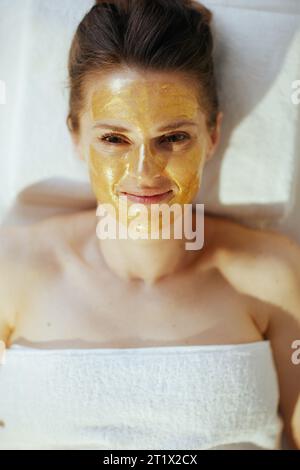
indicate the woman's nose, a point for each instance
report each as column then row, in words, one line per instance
column 145, row 164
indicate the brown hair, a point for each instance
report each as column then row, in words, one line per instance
column 167, row 35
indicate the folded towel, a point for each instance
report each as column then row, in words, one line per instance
column 183, row 397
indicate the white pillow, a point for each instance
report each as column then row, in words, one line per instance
column 257, row 60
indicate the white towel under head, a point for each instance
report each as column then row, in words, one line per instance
column 257, row 61
column 183, row 397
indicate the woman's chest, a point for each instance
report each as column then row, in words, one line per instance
column 105, row 311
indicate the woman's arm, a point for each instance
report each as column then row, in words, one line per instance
column 7, row 313
column 10, row 277
column 266, row 265
column 284, row 334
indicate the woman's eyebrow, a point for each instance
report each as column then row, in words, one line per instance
column 176, row 125
column 170, row 126
column 111, row 127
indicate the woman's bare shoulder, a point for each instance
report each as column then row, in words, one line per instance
column 262, row 263
column 233, row 235
column 28, row 241
column 251, row 258
column 31, row 253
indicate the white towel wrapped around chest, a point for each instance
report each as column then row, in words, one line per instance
column 185, row 397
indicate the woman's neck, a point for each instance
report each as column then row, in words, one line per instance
column 148, row 259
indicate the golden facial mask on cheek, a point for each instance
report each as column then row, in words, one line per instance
column 143, row 105
column 187, row 172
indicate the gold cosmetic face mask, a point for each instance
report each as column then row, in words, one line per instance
column 145, row 157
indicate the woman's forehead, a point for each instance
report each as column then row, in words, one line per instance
column 141, row 98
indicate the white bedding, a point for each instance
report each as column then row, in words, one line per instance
column 254, row 176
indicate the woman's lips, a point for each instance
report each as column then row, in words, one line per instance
column 147, row 199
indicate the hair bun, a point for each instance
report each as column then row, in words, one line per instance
column 195, row 4
column 205, row 13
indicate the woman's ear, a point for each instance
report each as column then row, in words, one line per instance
column 215, row 136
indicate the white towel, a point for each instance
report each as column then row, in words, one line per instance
column 183, row 397
column 257, row 60
column 254, row 173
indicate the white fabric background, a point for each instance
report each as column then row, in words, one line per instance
column 254, row 176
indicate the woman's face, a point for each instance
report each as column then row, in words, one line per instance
column 144, row 133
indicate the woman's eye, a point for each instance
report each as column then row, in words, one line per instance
column 174, row 138
column 113, row 139
column 169, row 139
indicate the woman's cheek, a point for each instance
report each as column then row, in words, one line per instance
column 105, row 171
column 186, row 171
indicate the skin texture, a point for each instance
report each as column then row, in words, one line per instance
column 126, row 293
column 144, row 105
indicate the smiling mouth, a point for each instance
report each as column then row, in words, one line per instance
column 149, row 198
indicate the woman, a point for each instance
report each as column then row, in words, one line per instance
column 105, row 337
